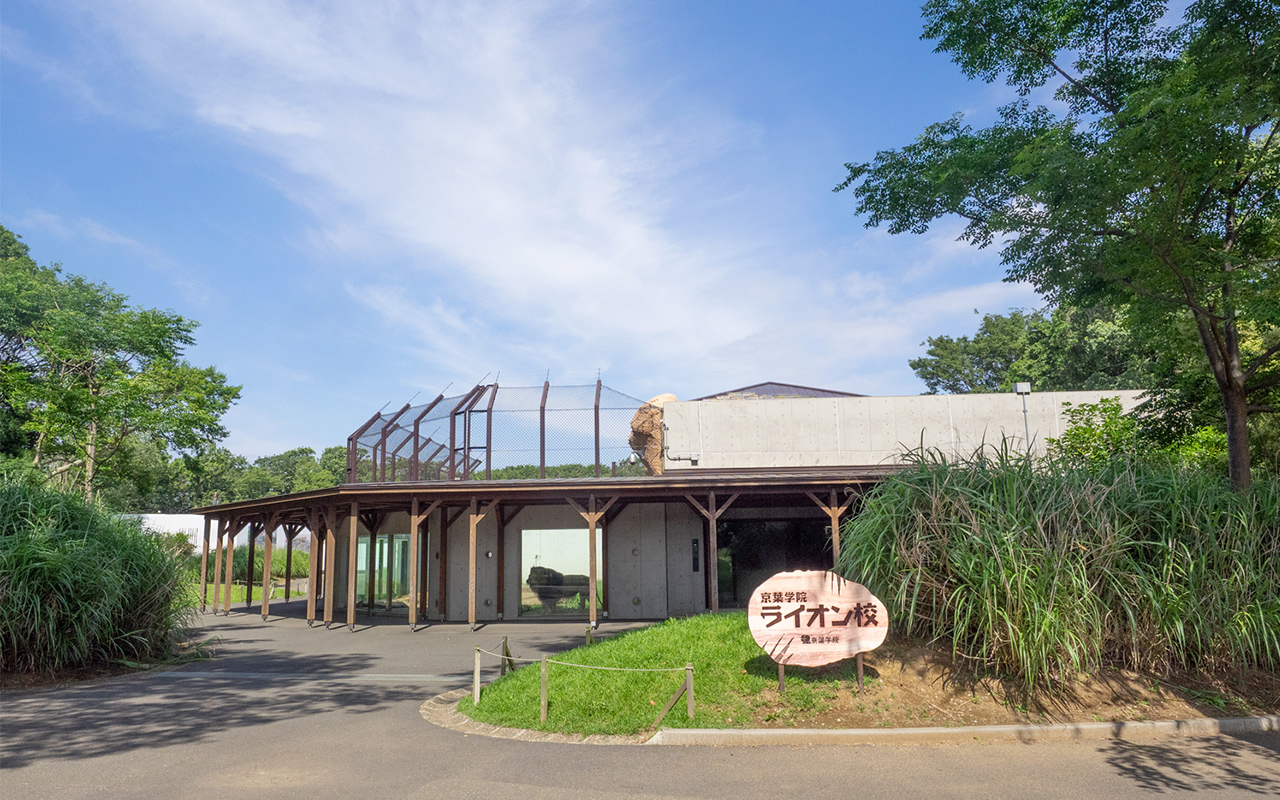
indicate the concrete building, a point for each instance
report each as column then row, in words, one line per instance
column 447, row 515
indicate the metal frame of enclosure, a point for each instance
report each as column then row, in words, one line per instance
column 598, row 499
column 469, row 436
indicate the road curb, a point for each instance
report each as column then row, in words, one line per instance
column 442, row 710
column 1077, row 731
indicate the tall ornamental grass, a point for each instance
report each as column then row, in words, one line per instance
column 79, row 586
column 1043, row 570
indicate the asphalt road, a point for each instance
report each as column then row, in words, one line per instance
column 295, row 712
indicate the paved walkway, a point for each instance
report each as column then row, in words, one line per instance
column 289, row 711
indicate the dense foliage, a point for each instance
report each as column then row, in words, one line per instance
column 1070, row 349
column 1153, row 182
column 1042, row 570
column 88, row 377
column 80, row 587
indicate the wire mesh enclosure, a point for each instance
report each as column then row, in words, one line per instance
column 496, row 433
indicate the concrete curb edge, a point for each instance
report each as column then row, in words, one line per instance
column 1076, row 731
column 442, row 710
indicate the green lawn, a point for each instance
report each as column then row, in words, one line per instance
column 730, row 672
column 238, row 592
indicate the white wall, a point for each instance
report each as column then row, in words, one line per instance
column 860, row 431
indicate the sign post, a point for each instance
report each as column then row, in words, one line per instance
column 811, row 618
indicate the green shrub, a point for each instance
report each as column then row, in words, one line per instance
column 79, row 586
column 1040, row 570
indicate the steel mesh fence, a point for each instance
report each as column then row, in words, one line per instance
column 496, row 432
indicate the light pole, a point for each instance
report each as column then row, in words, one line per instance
column 1024, row 389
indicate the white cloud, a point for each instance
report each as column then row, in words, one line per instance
column 501, row 193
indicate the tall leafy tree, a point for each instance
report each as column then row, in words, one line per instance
column 1156, row 185
column 90, row 374
column 1072, row 349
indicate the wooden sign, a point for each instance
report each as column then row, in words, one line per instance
column 810, row 618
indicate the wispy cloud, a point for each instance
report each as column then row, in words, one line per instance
column 501, row 192
column 192, row 288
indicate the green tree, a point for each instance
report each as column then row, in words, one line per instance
column 91, row 374
column 1071, row 350
column 997, row 356
column 1156, row 187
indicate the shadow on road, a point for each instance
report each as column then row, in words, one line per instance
column 1199, row 765
column 148, row 710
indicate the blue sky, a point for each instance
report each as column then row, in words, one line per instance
column 364, row 201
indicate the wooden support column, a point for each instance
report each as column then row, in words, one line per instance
column 217, row 565
column 415, row 522
column 351, row 566
column 592, row 515
column 231, row 551
column 330, row 556
column 476, row 514
column 313, row 563
column 204, row 566
column 834, row 510
column 416, row 518
column 268, row 544
column 712, row 514
column 248, row 573
column 288, row 562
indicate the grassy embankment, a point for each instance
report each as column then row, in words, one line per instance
column 731, row 675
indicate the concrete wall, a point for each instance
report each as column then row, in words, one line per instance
column 686, row 589
column 859, row 431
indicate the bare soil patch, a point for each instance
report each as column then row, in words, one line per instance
column 913, row 685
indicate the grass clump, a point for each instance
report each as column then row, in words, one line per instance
column 1042, row 570
column 80, row 587
column 730, row 674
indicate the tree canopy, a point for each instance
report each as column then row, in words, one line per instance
column 1071, row 349
column 1153, row 182
column 88, row 376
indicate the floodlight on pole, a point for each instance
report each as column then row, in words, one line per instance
column 1024, row 389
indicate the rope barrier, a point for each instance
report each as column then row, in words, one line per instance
column 686, row 686
column 584, row 666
